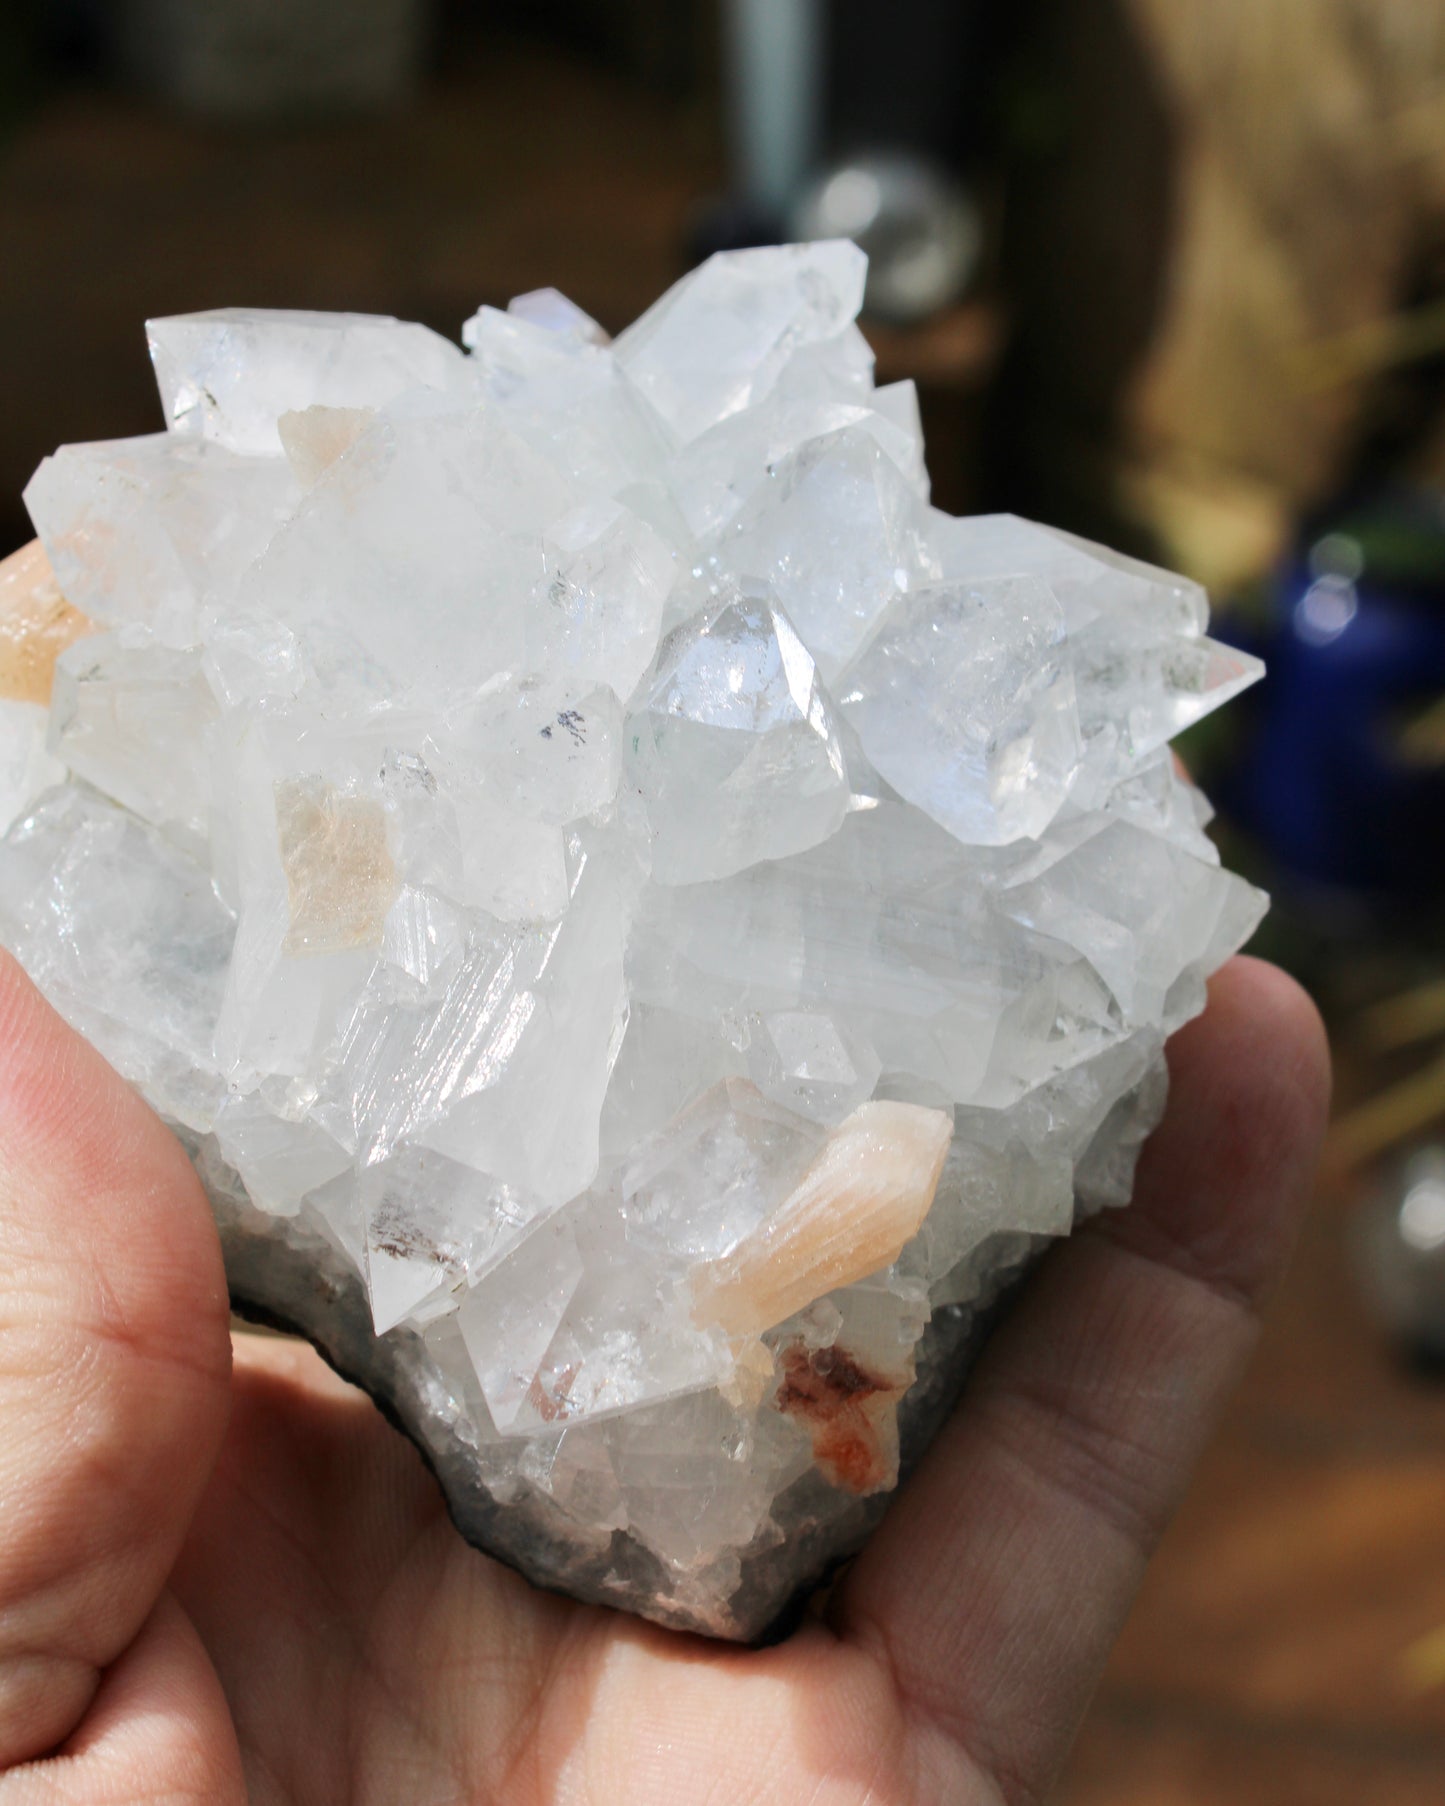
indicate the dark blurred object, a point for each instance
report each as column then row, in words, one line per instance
column 1344, row 778
column 887, row 95
column 849, row 121
column 17, row 55
column 68, row 35
column 260, row 60
column 774, row 71
column 903, row 123
column 522, row 168
column 922, row 233
column 772, row 74
column 1395, row 1047
column 665, row 45
column 1207, row 206
column 1402, row 1254
column 912, row 76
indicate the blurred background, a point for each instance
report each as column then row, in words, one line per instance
column 1169, row 274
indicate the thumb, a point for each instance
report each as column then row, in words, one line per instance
column 114, row 1366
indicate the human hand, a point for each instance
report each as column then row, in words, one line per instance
column 226, row 1580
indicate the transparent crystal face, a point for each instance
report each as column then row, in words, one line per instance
column 578, row 844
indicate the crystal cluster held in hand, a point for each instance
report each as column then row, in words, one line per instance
column 641, row 921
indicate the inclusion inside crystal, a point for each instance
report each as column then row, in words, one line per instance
column 642, row 922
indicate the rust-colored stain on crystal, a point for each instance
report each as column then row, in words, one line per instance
column 550, row 1401
column 849, row 1413
column 36, row 625
column 340, row 879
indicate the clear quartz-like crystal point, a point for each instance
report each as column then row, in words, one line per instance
column 27, row 771
column 134, row 719
column 511, row 1315
column 720, row 1169
column 549, row 308
column 140, row 530
column 127, row 937
column 837, row 532
column 964, row 701
column 735, row 712
column 644, row 925
column 718, row 340
column 1143, row 669
column 599, row 611
column 567, row 397
column 1141, row 687
column 814, row 1062
column 447, row 505
column 1110, row 898
column 745, row 459
column 230, row 375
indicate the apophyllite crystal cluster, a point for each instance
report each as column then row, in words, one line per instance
column 643, row 923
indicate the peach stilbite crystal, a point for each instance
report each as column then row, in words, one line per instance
column 36, row 625
column 860, row 1202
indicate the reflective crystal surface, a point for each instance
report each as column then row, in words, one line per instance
column 232, row 374
column 643, row 924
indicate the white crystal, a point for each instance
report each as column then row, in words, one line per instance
column 142, row 530
column 26, row 769
column 838, row 534
column 929, row 984
column 1145, row 687
column 127, row 938
column 552, row 749
column 1138, row 909
column 134, row 720
column 432, row 1227
column 229, row 375
column 964, row 701
column 445, row 504
column 607, row 579
column 550, row 308
column 279, row 1151
column 718, row 340
column 684, row 1473
column 566, row 396
column 746, row 459
column 1089, row 580
column 815, row 1062
column 735, row 712
column 666, row 1061
column 510, row 1317
column 717, row 1172
column 648, row 917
